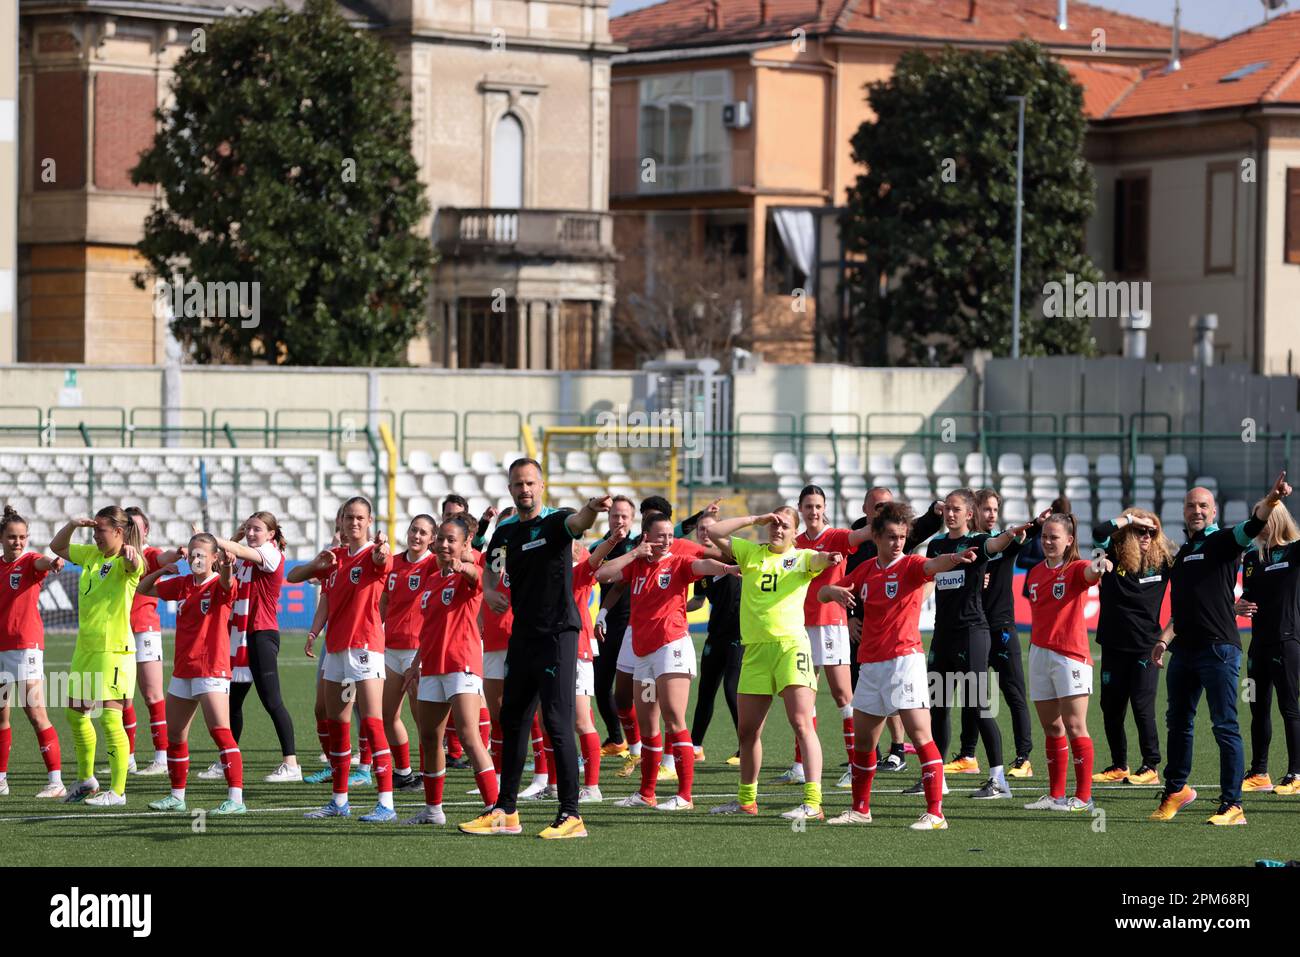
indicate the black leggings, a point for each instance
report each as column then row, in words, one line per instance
column 961, row 661
column 1005, row 660
column 263, row 655
column 1274, row 667
column 605, row 671
column 540, row 669
column 720, row 665
column 1129, row 676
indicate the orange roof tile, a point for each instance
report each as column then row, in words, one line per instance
column 1199, row 85
column 1103, row 84
column 684, row 23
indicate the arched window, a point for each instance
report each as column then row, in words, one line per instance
column 508, row 163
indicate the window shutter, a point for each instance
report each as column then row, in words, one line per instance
column 1293, row 216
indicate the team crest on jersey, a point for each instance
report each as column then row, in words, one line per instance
column 1074, row 673
column 354, row 574
column 15, row 579
column 413, row 582
column 448, row 593
column 1058, row 592
column 104, row 569
column 665, row 579
column 891, row 589
column 204, row 604
column 788, row 563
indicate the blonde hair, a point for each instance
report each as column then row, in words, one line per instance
column 1128, row 553
column 1280, row 529
column 791, row 511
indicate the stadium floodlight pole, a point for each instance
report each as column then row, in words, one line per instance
column 1020, row 209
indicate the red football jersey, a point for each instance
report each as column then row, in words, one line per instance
column 144, row 608
column 257, row 600
column 20, row 616
column 449, row 640
column 890, row 599
column 584, row 577
column 406, row 583
column 830, row 540
column 1056, row 599
column 353, row 587
column 659, row 591
column 202, row 623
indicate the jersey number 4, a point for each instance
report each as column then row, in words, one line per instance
column 767, row 582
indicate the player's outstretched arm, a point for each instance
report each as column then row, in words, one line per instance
column 63, row 538
column 585, row 517
column 611, row 572
column 146, row 586
column 309, row 570
column 946, row 563
column 601, row 551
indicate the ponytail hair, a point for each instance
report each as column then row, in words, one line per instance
column 272, row 526
column 10, row 516
column 119, row 519
column 1066, row 521
column 133, row 510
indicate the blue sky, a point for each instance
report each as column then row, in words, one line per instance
column 1218, row 18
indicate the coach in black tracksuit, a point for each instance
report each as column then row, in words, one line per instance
column 535, row 548
column 1132, row 594
column 1271, row 596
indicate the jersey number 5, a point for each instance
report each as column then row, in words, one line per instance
column 1033, row 592
column 767, row 582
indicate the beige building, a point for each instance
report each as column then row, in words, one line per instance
column 510, row 103
column 8, row 180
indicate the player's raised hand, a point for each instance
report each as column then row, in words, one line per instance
column 1281, row 489
column 382, row 551
column 83, row 522
column 600, row 504
column 326, row 560
column 767, row 519
column 170, row 569
column 486, row 518
column 1100, row 563
column 967, row 557
column 711, row 510
column 1041, row 517
column 56, row 565
column 644, row 550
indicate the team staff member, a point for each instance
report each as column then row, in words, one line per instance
column 535, row 548
column 1271, row 598
column 1129, row 625
column 722, row 654
column 1206, row 645
column 925, row 526
column 611, row 621
column 1004, row 644
column 103, row 663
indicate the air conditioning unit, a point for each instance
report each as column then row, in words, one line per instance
column 735, row 116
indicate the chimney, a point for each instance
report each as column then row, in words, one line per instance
column 1062, row 15
column 821, row 9
column 762, row 11
column 970, row 13
column 1176, row 54
column 713, row 16
column 874, row 10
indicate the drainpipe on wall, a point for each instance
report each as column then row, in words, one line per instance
column 1261, row 241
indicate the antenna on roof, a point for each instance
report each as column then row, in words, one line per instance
column 1272, row 5
column 1175, row 56
column 1062, row 14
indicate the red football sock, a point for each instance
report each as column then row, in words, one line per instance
column 433, row 783
column 455, row 750
column 402, row 755
column 863, row 768
column 1058, row 757
column 591, row 757
column 652, row 750
column 363, row 745
column 849, row 738
column 932, row 779
column 487, row 787
column 178, row 763
column 228, row 754
column 495, row 746
column 539, row 755
column 550, row 757
column 340, row 754
column 1082, row 748
column 684, row 752
column 49, row 744
column 6, row 743
column 485, row 727
column 383, row 757
column 631, row 733
column 158, row 724
column 128, row 722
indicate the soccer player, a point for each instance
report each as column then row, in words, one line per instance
column 778, row 659
column 1207, row 658
column 959, row 648
column 449, row 672
column 201, row 674
column 722, row 653
column 610, row 623
column 534, row 547
column 1004, row 644
column 258, row 547
column 1060, row 664
column 402, row 613
column 659, row 580
column 102, row 670
column 923, row 528
column 1127, row 629
column 826, row 623
column 1271, row 599
column 354, row 574
column 22, row 649
column 892, row 677
column 148, row 657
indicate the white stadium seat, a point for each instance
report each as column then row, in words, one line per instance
column 1173, row 488
column 514, row 455
column 483, row 463
column 1110, row 488
column 176, row 532
column 451, row 462
column 1083, row 531
column 784, row 463
column 478, row 505
column 849, row 463
column 300, row 507
column 435, row 485
column 1174, row 466
column 420, row 505
column 945, row 485
column 1109, row 509
column 1077, row 487
column 1041, row 505
column 945, row 464
column 880, row 464
column 1207, row 481
column 496, row 485
column 357, row 462
column 1013, row 486
column 407, row 484
column 610, row 462
column 465, row 484
column 1082, row 509
column 1015, row 511
column 816, row 463
column 1108, row 466
column 1144, row 465
column 420, row 462
column 912, row 464
column 1075, row 465
column 578, row 461
column 1042, row 464
column 1171, row 514
column 1234, row 511
column 1146, row 504
column 1045, row 487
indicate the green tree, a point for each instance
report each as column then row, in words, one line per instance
column 286, row 160
column 934, row 212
